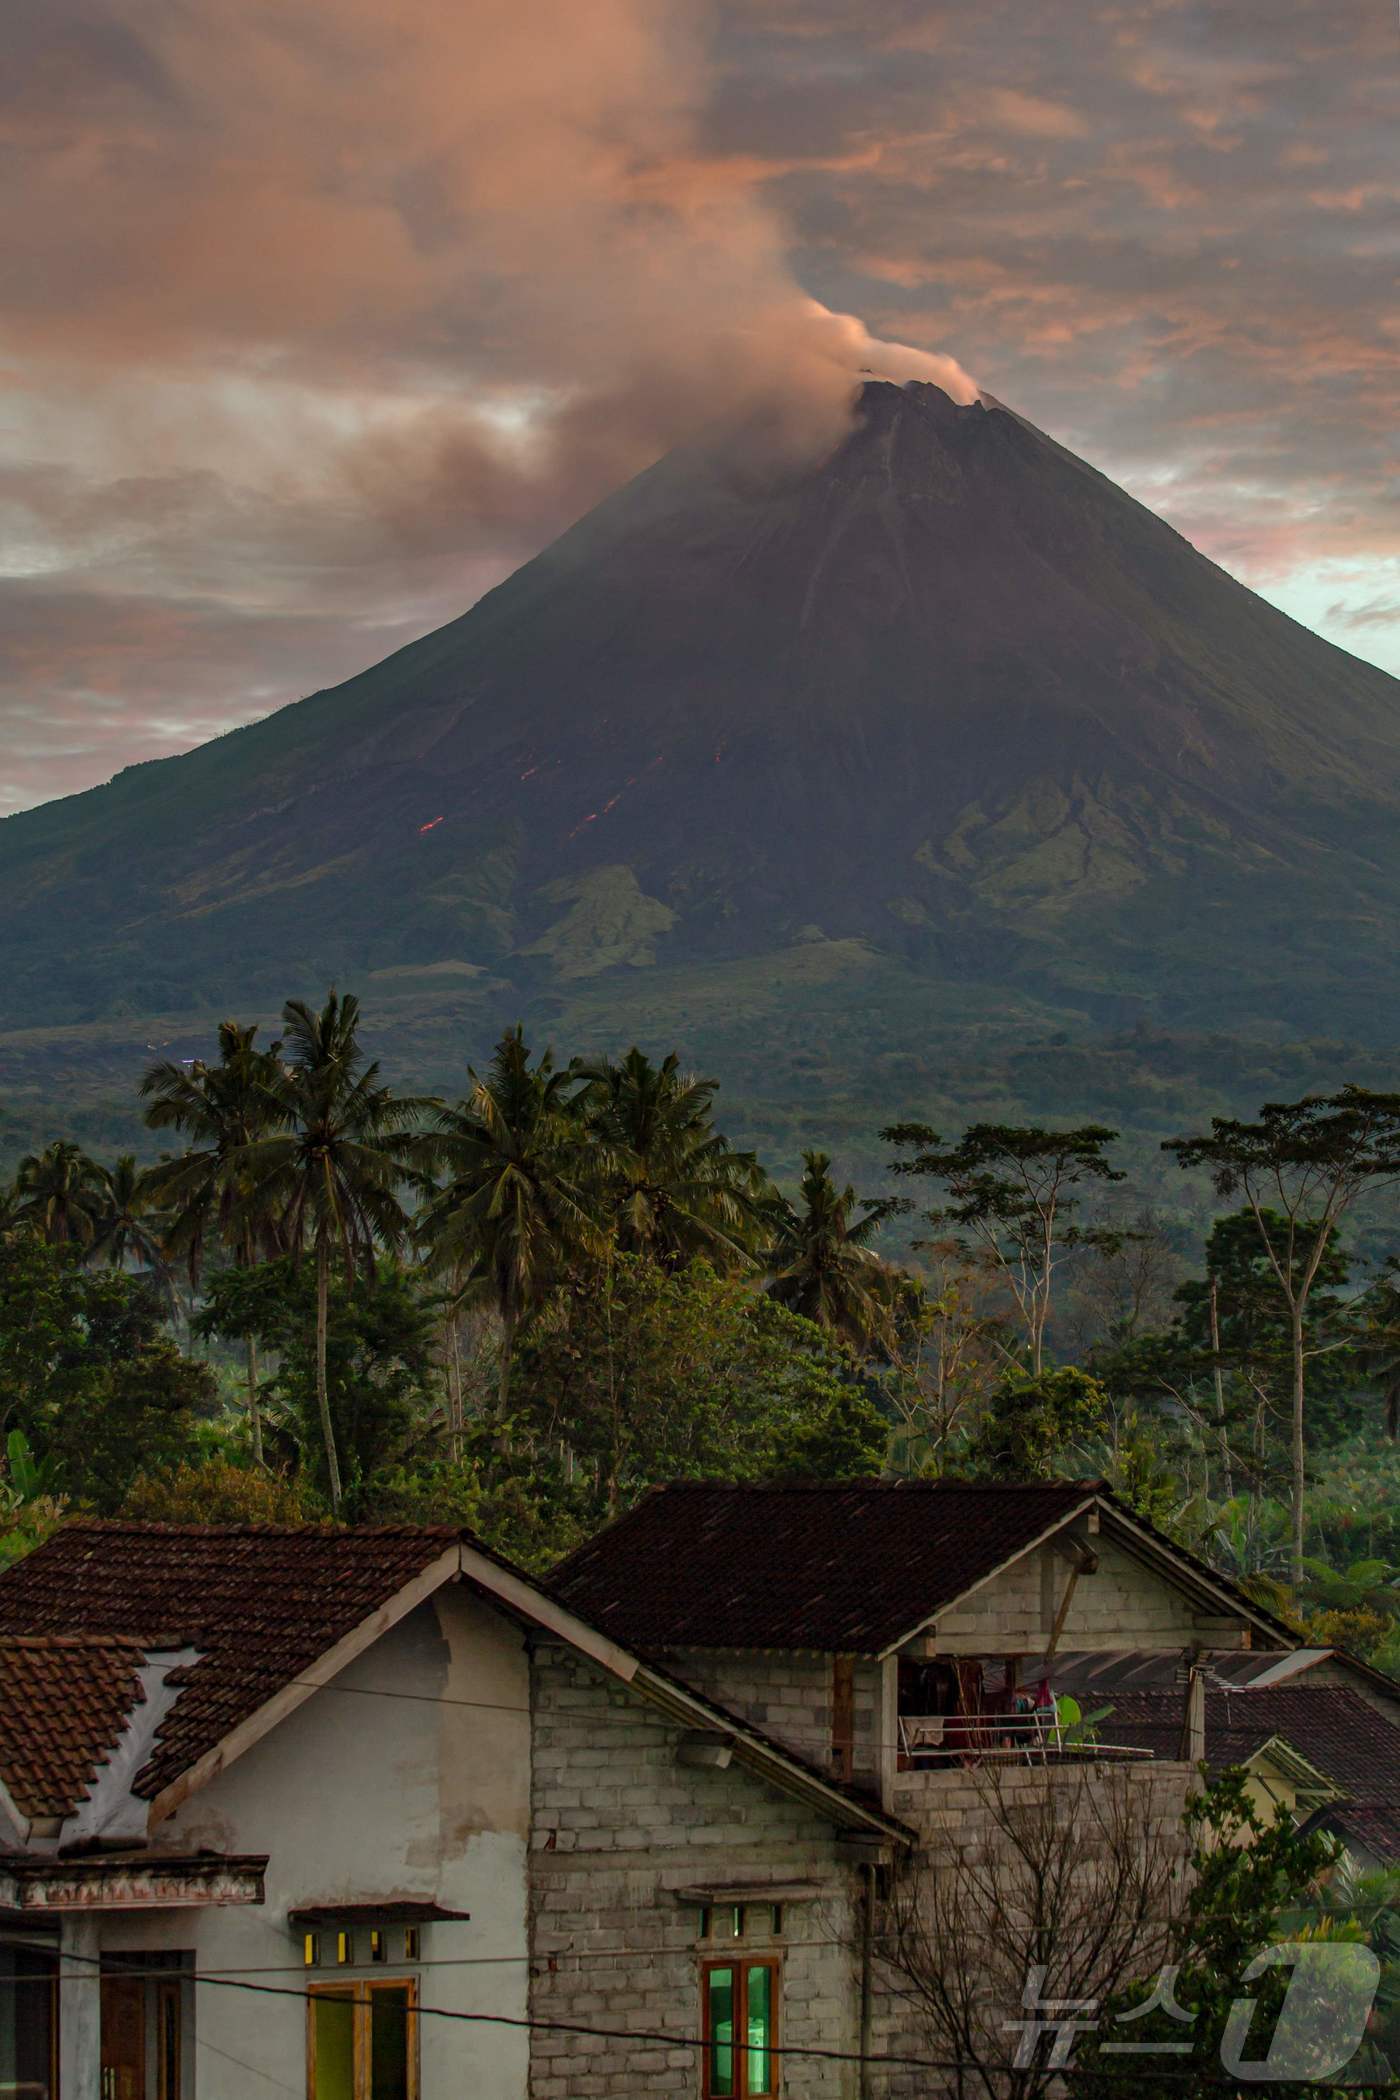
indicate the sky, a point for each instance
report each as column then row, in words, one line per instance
column 320, row 316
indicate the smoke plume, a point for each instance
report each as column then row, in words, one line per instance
column 476, row 243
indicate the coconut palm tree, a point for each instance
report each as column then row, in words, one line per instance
column 331, row 1168
column 131, row 1229
column 59, row 1192
column 673, row 1187
column 221, row 1108
column 515, row 1206
column 821, row 1265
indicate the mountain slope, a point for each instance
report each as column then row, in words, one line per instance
column 949, row 705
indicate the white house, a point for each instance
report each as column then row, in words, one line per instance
column 371, row 1815
column 266, row 1809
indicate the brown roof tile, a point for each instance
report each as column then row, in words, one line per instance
column 1334, row 1728
column 261, row 1604
column 847, row 1569
column 64, row 1701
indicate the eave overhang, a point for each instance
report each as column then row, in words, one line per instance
column 124, row 1882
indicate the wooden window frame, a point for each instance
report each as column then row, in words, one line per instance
column 360, row 1991
column 741, row 1965
column 170, row 1992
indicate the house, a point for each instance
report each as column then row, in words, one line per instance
column 1319, row 1750
column 867, row 1624
column 1095, row 1673
column 370, row 1814
column 903, row 1636
column 268, row 1800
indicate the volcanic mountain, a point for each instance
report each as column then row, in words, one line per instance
column 942, row 726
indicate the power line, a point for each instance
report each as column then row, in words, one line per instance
column 989, row 1722
column 657, row 2038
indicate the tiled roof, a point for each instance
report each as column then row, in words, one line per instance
column 1333, row 1727
column 64, row 1700
column 260, row 1604
column 1377, row 1829
column 846, row 1569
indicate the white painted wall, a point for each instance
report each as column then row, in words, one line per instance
column 359, row 1796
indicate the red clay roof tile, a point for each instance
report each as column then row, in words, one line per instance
column 261, row 1604
column 64, row 1702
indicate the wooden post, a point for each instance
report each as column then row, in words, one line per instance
column 843, row 1715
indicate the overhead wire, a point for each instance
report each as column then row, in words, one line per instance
column 659, row 2038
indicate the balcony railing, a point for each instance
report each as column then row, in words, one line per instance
column 930, row 1744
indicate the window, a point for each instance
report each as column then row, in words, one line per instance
column 739, row 2008
column 362, row 2041
column 742, row 1921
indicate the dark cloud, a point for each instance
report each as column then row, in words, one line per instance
column 319, row 315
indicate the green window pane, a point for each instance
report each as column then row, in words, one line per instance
column 719, row 2031
column 335, row 2046
column 389, row 2044
column 760, row 2031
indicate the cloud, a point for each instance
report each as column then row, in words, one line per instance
column 319, row 316
column 1378, row 613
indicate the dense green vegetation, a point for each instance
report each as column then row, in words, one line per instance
column 519, row 1305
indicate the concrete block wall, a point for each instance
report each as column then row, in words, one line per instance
column 788, row 1695
column 1123, row 1604
column 618, row 1827
column 963, row 1814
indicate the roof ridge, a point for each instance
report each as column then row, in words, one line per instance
column 874, row 1484
column 150, row 1527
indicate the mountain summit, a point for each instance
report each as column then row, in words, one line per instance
column 948, row 707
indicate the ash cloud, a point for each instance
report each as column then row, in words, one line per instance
column 320, row 316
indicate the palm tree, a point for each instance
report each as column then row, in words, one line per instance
column 333, row 1164
column 821, row 1266
column 674, row 1188
column 59, row 1191
column 130, row 1228
column 222, row 1108
column 515, row 1206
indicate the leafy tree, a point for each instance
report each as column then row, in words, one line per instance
column 221, row 1109
column 1031, row 1422
column 1307, row 1162
column 673, row 1188
column 679, row 1375
column 59, row 1192
column 215, row 1491
column 949, row 1354
column 332, row 1168
column 1243, row 1877
column 380, row 1374
column 821, row 1265
column 1378, row 1345
column 88, row 1376
column 1012, row 1193
column 515, row 1207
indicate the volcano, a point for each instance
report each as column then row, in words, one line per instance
column 943, row 726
